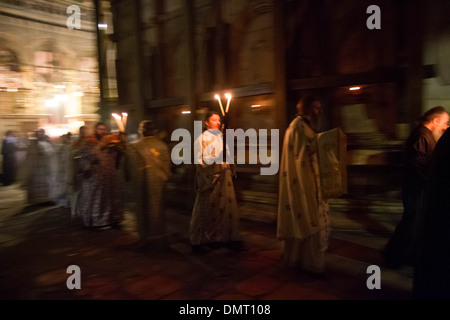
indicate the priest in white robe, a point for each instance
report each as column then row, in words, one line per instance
column 303, row 212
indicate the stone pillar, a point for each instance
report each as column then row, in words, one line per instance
column 128, row 33
column 160, row 79
column 220, row 48
column 414, row 47
column 192, row 76
column 192, row 100
column 280, row 82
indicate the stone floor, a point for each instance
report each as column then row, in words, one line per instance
column 38, row 244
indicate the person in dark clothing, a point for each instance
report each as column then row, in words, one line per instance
column 432, row 268
column 419, row 147
column 9, row 148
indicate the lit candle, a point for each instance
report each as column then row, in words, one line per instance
column 228, row 103
column 119, row 122
column 124, row 117
column 220, row 103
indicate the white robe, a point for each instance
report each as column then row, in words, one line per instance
column 40, row 172
column 303, row 213
column 215, row 216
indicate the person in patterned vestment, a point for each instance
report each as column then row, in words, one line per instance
column 303, row 213
column 215, row 216
column 99, row 203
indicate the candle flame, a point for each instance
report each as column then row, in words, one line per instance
column 119, row 122
column 220, row 104
column 124, row 119
column 228, row 103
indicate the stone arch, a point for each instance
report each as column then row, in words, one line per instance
column 8, row 59
column 11, row 64
column 60, row 58
column 8, row 43
column 67, row 56
column 241, row 47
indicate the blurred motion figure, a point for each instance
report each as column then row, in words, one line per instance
column 74, row 170
column 9, row 149
column 148, row 162
column 419, row 147
column 432, row 263
column 40, row 170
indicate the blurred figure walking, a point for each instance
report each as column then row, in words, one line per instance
column 9, row 149
column 74, row 170
column 62, row 155
column 148, row 161
column 401, row 248
column 40, row 170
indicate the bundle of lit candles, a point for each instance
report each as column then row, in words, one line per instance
column 121, row 121
column 228, row 96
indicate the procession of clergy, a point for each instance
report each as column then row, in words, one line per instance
column 86, row 175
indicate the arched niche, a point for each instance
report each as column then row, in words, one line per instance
column 251, row 41
column 10, row 68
